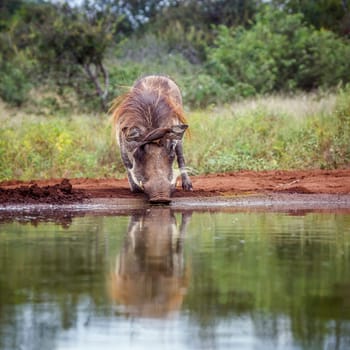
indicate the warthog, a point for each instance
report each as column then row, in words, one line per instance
column 149, row 125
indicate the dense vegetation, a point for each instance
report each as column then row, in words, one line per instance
column 304, row 131
column 62, row 64
column 227, row 49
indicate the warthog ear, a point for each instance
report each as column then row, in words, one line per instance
column 177, row 132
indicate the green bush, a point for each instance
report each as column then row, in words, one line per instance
column 325, row 62
column 122, row 76
column 14, row 82
column 207, row 90
column 279, row 52
column 149, row 55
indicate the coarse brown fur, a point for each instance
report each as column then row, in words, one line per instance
column 154, row 101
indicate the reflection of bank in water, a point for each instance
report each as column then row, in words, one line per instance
column 150, row 277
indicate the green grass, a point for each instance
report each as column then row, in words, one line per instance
column 33, row 147
column 276, row 132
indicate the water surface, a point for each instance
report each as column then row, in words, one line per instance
column 162, row 279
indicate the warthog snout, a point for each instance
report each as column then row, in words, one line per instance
column 158, row 192
column 152, row 171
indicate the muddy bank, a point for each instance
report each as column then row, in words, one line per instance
column 268, row 188
column 34, row 193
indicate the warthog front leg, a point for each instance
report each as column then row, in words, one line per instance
column 186, row 182
column 134, row 184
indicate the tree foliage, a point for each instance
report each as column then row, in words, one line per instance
column 225, row 48
column 279, row 52
column 68, row 44
column 328, row 14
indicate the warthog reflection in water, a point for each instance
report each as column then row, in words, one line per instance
column 150, row 277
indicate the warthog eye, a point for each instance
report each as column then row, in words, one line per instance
column 132, row 134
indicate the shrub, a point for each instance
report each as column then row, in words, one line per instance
column 14, row 82
column 279, row 52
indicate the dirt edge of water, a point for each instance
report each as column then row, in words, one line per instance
column 275, row 186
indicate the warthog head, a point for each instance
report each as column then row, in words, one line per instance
column 151, row 159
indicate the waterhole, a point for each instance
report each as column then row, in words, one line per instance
column 171, row 279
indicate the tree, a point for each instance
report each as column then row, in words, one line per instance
column 69, row 44
column 7, row 9
column 188, row 26
column 328, row 14
column 14, row 66
column 279, row 52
